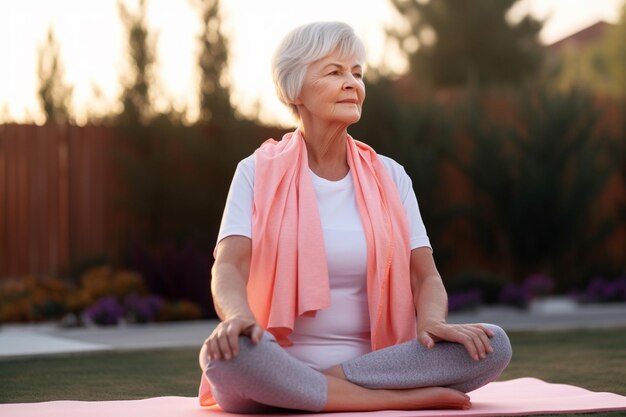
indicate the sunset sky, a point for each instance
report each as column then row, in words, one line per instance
column 93, row 46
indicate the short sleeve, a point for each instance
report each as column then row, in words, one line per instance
column 417, row 229
column 237, row 217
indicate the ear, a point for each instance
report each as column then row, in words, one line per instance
column 297, row 101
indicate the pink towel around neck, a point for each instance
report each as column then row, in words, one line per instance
column 288, row 270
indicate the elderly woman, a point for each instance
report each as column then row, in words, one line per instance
column 324, row 276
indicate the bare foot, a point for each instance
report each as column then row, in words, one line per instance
column 346, row 396
column 432, row 398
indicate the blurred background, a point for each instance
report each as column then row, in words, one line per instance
column 121, row 123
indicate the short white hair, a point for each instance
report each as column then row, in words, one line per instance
column 305, row 45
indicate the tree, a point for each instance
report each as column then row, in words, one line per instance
column 616, row 54
column 537, row 182
column 136, row 96
column 212, row 61
column 53, row 93
column 468, row 42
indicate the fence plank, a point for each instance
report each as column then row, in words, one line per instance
column 4, row 233
column 23, row 202
column 64, row 205
column 56, row 183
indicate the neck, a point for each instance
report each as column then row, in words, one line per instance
column 326, row 149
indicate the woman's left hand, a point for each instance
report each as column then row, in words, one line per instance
column 474, row 337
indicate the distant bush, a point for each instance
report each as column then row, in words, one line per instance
column 105, row 296
column 32, row 299
column 601, row 289
column 459, row 301
column 105, row 311
column 533, row 286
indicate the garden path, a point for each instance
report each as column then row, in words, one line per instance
column 49, row 339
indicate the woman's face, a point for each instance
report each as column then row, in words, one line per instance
column 333, row 91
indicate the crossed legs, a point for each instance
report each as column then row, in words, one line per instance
column 406, row 376
column 411, row 365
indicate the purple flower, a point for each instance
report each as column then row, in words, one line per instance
column 464, row 300
column 538, row 284
column 601, row 289
column 105, row 311
column 620, row 285
column 143, row 309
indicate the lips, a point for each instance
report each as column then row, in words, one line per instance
column 349, row 101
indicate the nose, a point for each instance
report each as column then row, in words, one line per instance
column 349, row 82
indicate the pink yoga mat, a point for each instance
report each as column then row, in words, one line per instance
column 524, row 396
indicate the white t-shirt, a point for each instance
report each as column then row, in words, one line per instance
column 342, row 331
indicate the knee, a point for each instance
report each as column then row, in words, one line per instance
column 502, row 351
column 231, row 380
column 227, row 372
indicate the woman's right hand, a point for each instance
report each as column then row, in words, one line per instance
column 224, row 341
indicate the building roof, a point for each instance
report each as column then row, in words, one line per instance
column 590, row 34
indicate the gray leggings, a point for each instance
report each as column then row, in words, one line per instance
column 264, row 377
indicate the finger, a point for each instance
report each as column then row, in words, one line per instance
column 458, row 334
column 481, row 341
column 213, row 350
column 484, row 333
column 487, row 330
column 484, row 338
column 468, row 340
column 232, row 337
column 257, row 334
column 224, row 345
column 425, row 339
column 478, row 344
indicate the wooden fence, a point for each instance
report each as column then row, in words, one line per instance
column 55, row 182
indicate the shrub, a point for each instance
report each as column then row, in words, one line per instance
column 537, row 179
column 33, row 299
column 106, row 296
column 105, row 281
column 143, row 309
column 538, row 284
column 468, row 300
column 601, row 289
column 180, row 310
column 105, row 311
column 533, row 286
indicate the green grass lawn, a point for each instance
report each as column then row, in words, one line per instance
column 593, row 359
